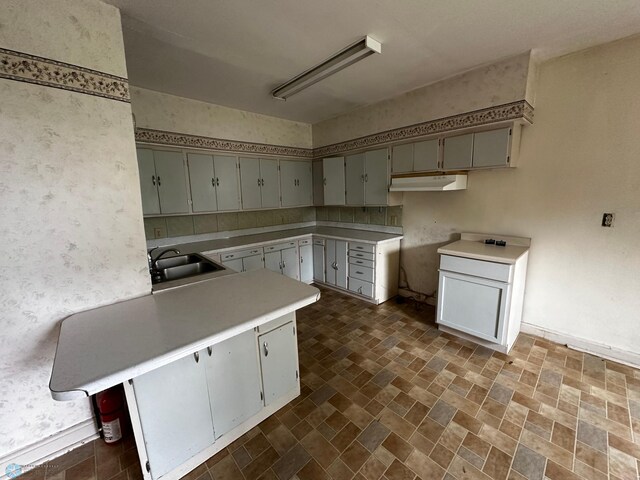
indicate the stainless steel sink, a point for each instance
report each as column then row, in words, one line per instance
column 182, row 266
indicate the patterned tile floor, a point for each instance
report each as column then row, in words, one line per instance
column 386, row 396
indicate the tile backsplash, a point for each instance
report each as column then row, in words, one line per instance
column 177, row 226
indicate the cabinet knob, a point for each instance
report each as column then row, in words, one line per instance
column 213, row 182
column 159, row 180
column 196, row 355
column 265, row 346
column 366, row 177
column 359, row 289
column 258, row 182
column 325, row 181
column 209, row 350
column 153, row 179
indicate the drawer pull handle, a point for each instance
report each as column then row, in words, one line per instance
column 265, row 345
column 359, row 261
column 196, row 355
column 359, row 289
column 361, row 273
column 209, row 350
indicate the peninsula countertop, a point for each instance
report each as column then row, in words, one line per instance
column 103, row 347
column 364, row 236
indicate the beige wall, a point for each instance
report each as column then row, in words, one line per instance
column 496, row 84
column 70, row 210
column 161, row 111
column 581, row 158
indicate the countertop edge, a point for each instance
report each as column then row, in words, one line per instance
column 476, row 256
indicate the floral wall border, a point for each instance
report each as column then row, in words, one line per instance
column 520, row 110
column 146, row 135
column 23, row 67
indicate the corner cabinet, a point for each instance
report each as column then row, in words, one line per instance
column 186, row 411
column 296, row 183
column 163, row 182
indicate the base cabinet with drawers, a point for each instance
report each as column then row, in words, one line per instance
column 243, row 260
column 186, row 411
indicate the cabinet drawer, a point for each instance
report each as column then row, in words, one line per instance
column 478, row 268
column 363, row 288
column 364, row 255
column 361, row 262
column 318, row 241
column 306, row 241
column 241, row 254
column 279, row 246
column 362, row 247
column 361, row 273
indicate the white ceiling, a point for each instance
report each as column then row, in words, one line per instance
column 234, row 52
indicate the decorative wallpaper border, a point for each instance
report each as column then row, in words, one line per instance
column 500, row 113
column 24, row 67
column 146, row 135
column 520, row 110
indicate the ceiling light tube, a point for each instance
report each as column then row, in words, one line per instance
column 348, row 56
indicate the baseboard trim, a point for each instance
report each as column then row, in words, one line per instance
column 583, row 345
column 51, row 447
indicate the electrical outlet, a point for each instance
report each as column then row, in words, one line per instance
column 157, row 232
column 607, row 219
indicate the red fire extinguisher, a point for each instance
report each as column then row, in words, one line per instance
column 112, row 413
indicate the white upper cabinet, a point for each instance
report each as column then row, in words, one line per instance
column 214, row 182
column 259, row 183
column 334, row 180
column 162, row 182
column 367, row 178
column 426, row 155
column 492, row 148
column 296, row 183
column 376, row 177
column 415, row 157
column 458, row 152
column 318, row 183
column 203, row 183
column 148, row 182
column 354, row 168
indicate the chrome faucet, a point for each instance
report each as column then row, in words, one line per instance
column 153, row 261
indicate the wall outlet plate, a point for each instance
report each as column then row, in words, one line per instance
column 607, row 219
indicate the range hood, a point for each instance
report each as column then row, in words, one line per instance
column 431, row 183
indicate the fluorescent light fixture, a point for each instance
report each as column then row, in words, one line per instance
column 348, row 56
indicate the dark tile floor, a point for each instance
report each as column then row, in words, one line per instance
column 385, row 395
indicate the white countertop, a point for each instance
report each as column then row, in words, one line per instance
column 103, row 347
column 364, row 236
column 479, row 251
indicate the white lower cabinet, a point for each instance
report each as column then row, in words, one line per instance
column 335, row 261
column 282, row 258
column 318, row 260
column 243, row 260
column 185, row 412
column 174, row 413
column 279, row 361
column 233, row 379
column 306, row 261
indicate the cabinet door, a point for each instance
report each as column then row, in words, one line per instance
column 269, row 177
column 254, row 262
column 233, row 380
column 250, row 183
column 472, row 305
column 172, row 182
column 341, row 264
column 318, row 184
column 234, row 264
column 226, row 170
column 279, row 362
column 290, row 263
column 491, row 149
column 458, row 152
column 402, row 158
column 288, row 183
column 329, row 261
column 318, row 263
column 306, row 263
column 148, row 183
column 425, row 156
column 173, row 403
column 201, row 178
column 354, row 175
column 273, row 261
column 305, row 184
column 376, row 177
column 333, row 170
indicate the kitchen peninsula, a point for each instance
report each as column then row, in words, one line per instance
column 201, row 364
